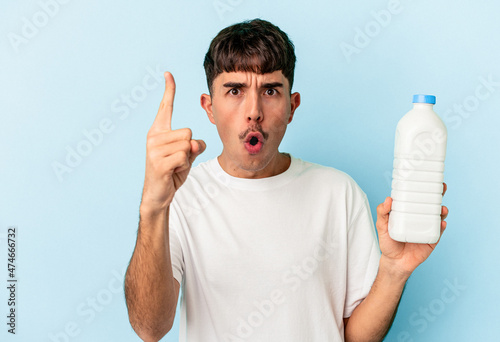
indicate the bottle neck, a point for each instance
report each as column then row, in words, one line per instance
column 423, row 105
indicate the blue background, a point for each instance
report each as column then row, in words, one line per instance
column 65, row 69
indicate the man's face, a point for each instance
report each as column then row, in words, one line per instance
column 251, row 112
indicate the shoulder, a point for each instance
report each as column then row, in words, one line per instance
column 200, row 179
column 324, row 173
column 329, row 179
column 196, row 192
column 201, row 170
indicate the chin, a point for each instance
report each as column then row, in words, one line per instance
column 256, row 162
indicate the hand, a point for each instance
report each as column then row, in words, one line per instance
column 400, row 256
column 169, row 154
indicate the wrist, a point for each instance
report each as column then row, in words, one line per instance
column 153, row 206
column 150, row 211
column 389, row 269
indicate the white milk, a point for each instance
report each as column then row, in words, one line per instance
column 417, row 178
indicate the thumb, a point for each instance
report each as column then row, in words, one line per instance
column 383, row 210
column 197, row 148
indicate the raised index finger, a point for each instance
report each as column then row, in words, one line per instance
column 163, row 119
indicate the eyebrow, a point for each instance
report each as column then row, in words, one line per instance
column 243, row 85
column 273, row 85
column 234, row 85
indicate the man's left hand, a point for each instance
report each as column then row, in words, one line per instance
column 403, row 257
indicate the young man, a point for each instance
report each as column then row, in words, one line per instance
column 265, row 246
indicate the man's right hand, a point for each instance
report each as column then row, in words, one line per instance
column 169, row 154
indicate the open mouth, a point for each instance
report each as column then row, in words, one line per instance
column 253, row 142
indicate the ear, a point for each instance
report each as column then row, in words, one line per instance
column 206, row 103
column 294, row 103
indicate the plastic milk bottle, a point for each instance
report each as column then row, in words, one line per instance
column 417, row 178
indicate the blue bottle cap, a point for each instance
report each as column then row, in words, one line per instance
column 420, row 98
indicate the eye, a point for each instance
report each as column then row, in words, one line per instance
column 234, row 91
column 271, row 91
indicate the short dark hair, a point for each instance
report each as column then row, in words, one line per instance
column 254, row 45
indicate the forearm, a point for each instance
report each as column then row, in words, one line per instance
column 372, row 319
column 150, row 288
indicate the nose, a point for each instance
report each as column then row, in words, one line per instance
column 254, row 109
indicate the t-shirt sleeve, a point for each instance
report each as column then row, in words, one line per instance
column 176, row 254
column 363, row 255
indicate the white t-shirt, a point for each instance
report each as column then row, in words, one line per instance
column 283, row 258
